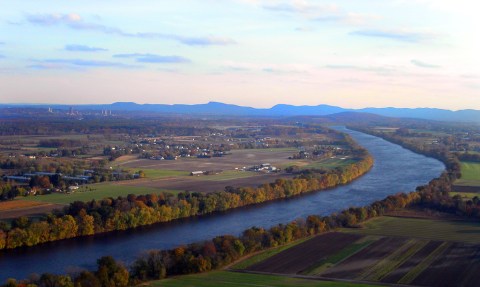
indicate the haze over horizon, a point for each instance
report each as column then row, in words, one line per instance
column 353, row 54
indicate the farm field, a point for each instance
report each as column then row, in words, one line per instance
column 265, row 254
column 470, row 174
column 390, row 250
column 175, row 174
column 298, row 258
column 460, row 231
column 98, row 191
column 16, row 208
column 237, row 159
column 205, row 183
column 234, row 279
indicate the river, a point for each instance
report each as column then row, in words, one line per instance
column 395, row 170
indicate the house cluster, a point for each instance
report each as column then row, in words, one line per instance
column 174, row 152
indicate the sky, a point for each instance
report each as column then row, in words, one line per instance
column 349, row 53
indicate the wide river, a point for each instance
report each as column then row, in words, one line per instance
column 395, row 170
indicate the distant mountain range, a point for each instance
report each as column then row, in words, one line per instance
column 281, row 110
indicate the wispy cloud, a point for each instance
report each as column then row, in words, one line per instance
column 152, row 58
column 2, row 56
column 267, row 68
column 2, row 43
column 83, row 48
column 376, row 69
column 321, row 13
column 353, row 19
column 300, row 7
column 424, row 65
column 398, row 35
column 76, row 63
column 75, row 21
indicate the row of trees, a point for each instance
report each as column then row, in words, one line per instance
column 87, row 218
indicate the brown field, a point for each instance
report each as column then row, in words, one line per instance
column 413, row 261
column 458, row 266
column 298, row 258
column 353, row 266
column 197, row 184
column 238, row 159
column 14, row 204
column 466, row 188
column 17, row 208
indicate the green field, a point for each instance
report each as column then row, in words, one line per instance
column 470, row 174
column 227, row 279
column 99, row 191
column 162, row 173
column 421, row 228
column 266, row 254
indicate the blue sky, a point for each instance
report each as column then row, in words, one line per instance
column 357, row 53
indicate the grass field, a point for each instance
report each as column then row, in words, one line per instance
column 265, row 254
column 100, row 191
column 470, row 174
column 227, row 279
column 422, row 228
column 162, row 173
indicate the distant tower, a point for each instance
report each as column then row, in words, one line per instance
column 71, row 111
column 50, row 110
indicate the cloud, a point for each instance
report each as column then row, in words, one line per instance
column 376, row 69
column 398, row 35
column 83, row 48
column 424, row 65
column 300, row 7
column 321, row 13
column 2, row 43
column 304, row 29
column 266, row 68
column 76, row 63
column 152, row 58
column 2, row 56
column 75, row 21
